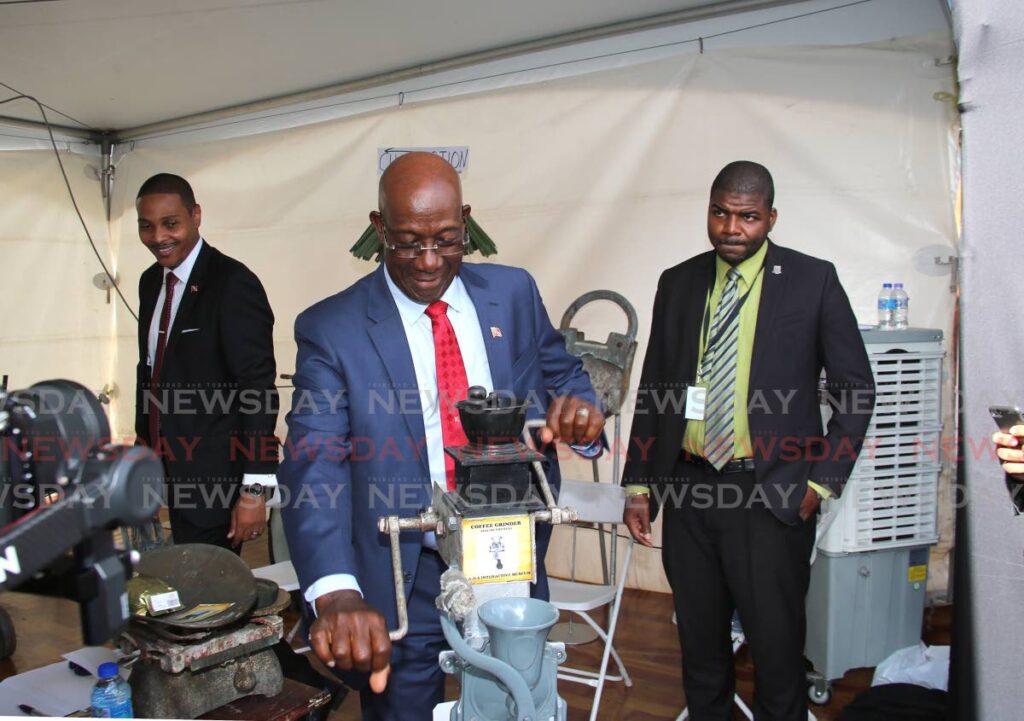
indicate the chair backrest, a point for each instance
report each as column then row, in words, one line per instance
column 594, row 502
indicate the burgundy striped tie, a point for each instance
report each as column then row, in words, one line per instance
column 158, row 361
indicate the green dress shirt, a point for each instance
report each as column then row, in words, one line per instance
column 751, row 277
column 750, row 282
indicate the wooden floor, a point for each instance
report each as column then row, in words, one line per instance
column 650, row 650
column 646, row 639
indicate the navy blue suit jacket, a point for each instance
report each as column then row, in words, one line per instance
column 356, row 448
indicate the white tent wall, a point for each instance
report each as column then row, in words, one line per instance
column 56, row 323
column 987, row 637
column 601, row 181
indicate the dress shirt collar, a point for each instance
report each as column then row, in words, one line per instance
column 413, row 311
column 748, row 268
column 183, row 271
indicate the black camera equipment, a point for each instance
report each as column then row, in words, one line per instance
column 64, row 490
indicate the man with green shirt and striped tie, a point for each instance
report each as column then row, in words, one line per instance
column 742, row 333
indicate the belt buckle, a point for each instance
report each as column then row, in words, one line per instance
column 739, row 465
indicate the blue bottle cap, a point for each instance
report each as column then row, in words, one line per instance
column 108, row 670
column 887, row 285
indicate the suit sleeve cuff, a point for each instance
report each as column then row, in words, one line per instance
column 823, row 492
column 591, row 450
column 269, row 483
column 330, row 584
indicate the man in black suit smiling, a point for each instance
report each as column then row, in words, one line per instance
column 205, row 397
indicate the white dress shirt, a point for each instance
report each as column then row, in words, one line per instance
column 182, row 273
column 420, row 336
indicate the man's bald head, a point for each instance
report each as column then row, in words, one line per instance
column 421, row 208
column 418, row 178
column 743, row 177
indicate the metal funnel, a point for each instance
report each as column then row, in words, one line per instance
column 518, row 629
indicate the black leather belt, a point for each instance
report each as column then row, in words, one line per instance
column 736, row 465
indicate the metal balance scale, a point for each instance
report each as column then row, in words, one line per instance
column 190, row 662
column 486, row 535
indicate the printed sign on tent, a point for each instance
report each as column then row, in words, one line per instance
column 457, row 155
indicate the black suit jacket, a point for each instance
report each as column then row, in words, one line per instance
column 216, row 392
column 804, row 324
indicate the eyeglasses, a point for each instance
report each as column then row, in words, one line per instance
column 441, row 246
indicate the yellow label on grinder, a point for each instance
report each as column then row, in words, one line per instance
column 498, row 549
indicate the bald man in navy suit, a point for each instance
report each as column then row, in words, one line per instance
column 366, row 433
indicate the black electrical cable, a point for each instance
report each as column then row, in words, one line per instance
column 74, row 203
column 48, row 107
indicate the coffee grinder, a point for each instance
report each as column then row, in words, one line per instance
column 485, row 531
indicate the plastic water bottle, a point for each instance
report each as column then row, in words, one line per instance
column 884, row 307
column 901, row 307
column 111, row 696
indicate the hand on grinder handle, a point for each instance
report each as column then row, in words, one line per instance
column 350, row 634
column 572, row 420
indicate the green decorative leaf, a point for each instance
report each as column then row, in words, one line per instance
column 478, row 239
column 368, row 245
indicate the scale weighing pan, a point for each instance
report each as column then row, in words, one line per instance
column 202, row 574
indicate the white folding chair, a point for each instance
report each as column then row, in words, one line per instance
column 595, row 503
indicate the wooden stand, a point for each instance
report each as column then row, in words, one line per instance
column 295, row 701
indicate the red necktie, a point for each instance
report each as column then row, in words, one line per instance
column 158, row 361
column 452, row 385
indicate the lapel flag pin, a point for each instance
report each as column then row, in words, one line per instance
column 495, row 331
column 195, row 288
column 776, row 270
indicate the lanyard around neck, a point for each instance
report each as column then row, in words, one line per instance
column 706, row 326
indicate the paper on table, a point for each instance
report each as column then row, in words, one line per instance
column 282, row 573
column 91, row 657
column 55, row 690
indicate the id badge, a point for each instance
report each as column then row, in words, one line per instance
column 695, row 398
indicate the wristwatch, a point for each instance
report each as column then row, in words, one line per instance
column 255, row 490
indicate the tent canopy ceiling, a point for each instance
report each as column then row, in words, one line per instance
column 116, row 64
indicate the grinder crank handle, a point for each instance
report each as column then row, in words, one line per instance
column 553, row 515
column 542, row 479
column 393, row 525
